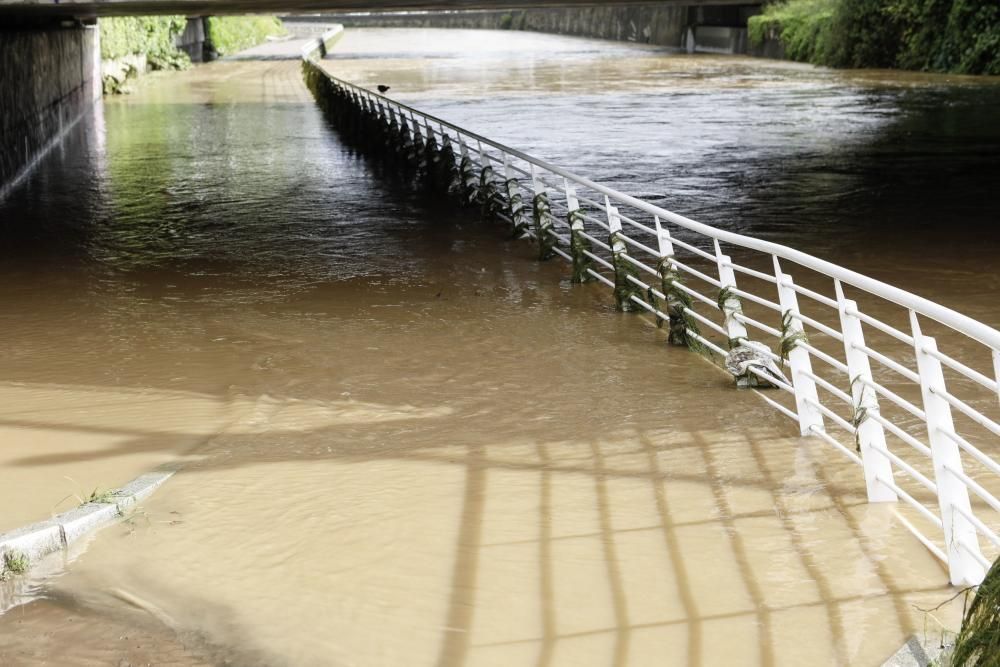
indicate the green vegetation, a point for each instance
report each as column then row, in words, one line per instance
column 229, row 34
column 790, row 338
column 803, row 26
column 960, row 36
column 14, row 562
column 153, row 35
column 98, row 496
column 978, row 644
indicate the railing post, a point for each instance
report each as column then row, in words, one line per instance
column 484, row 159
column 578, row 245
column 677, row 300
column 515, row 203
column 961, row 541
column 467, row 176
column 729, row 303
column 541, row 215
column 869, row 434
column 623, row 287
column 487, row 188
column 664, row 244
column 996, row 370
column 799, row 362
column 417, row 136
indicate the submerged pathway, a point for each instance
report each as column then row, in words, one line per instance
column 406, row 441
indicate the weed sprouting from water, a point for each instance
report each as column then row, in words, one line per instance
column 978, row 643
column 14, row 563
column 105, row 497
column 790, row 339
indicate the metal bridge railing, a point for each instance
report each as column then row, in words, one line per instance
column 861, row 369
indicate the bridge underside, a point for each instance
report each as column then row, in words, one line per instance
column 92, row 8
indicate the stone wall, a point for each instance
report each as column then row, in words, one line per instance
column 715, row 29
column 663, row 25
column 49, row 77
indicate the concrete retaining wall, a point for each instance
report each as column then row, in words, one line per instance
column 664, row 26
column 48, row 79
column 719, row 29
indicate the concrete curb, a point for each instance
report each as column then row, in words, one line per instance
column 45, row 537
column 322, row 43
column 917, row 652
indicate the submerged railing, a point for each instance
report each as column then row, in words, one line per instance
column 725, row 294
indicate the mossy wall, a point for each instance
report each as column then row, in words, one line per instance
column 960, row 36
column 229, row 34
column 153, row 36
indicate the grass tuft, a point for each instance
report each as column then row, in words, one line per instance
column 978, row 643
column 14, row 563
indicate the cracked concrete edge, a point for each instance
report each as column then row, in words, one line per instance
column 45, row 537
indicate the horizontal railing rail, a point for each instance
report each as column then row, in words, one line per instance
column 879, row 379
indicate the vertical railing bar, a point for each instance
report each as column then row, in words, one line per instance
column 797, row 356
column 963, row 566
column 729, row 304
column 870, row 435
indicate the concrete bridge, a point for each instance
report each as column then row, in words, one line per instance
column 91, row 8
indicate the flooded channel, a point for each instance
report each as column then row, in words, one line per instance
column 404, row 440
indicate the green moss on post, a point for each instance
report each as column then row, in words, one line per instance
column 515, row 208
column 542, row 215
column 488, row 195
column 625, row 289
column 579, row 246
column 678, row 303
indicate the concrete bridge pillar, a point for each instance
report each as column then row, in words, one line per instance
column 50, row 75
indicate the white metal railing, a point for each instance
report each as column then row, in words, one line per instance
column 941, row 462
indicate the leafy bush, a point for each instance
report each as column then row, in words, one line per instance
column 229, row 34
column 802, row 25
column 152, row 35
column 960, row 36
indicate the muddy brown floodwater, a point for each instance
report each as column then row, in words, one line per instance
column 407, row 442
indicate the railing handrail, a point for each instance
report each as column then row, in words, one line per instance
column 375, row 116
column 963, row 323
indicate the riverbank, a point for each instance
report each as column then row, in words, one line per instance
column 134, row 45
column 695, row 29
column 954, row 36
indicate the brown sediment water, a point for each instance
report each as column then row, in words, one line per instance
column 408, row 442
